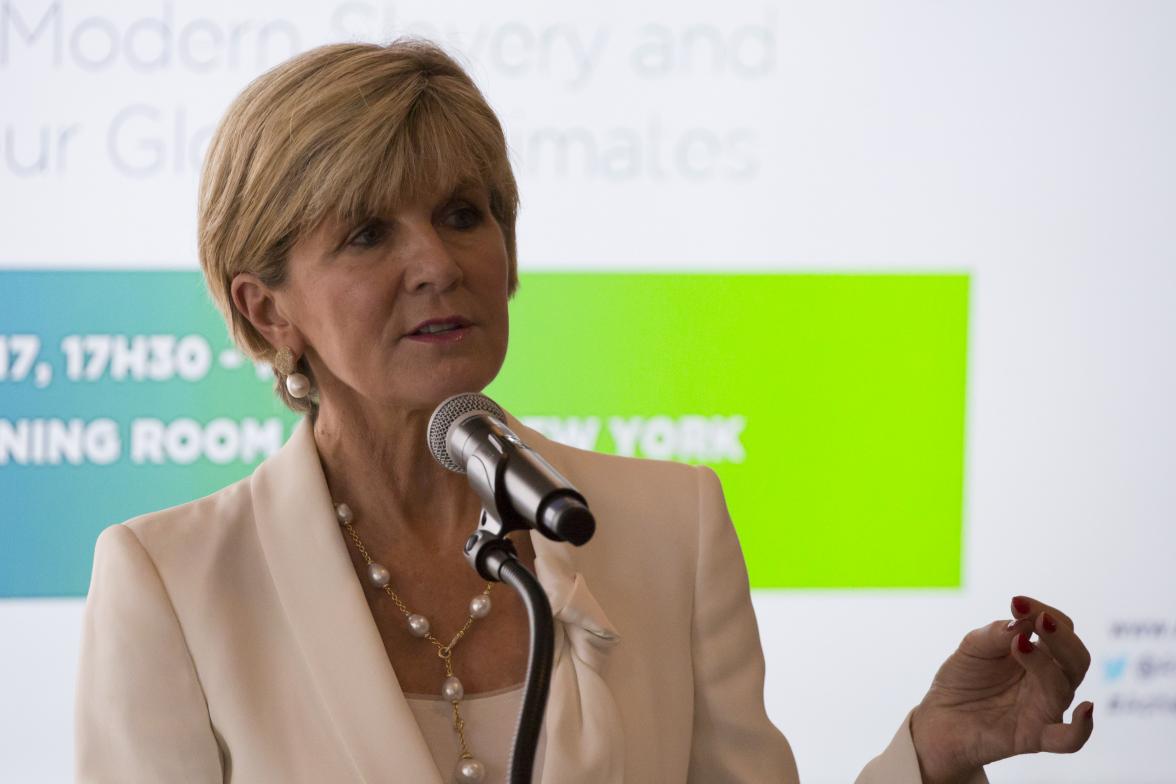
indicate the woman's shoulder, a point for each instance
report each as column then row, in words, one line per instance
column 181, row 552
column 195, row 523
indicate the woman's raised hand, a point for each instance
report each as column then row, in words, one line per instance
column 1000, row 695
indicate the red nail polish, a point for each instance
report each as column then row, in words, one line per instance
column 1023, row 644
column 1021, row 605
column 1048, row 623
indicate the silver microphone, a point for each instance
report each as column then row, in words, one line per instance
column 468, row 434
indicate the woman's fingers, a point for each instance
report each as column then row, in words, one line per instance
column 1068, row 738
column 1065, row 646
column 1042, row 668
column 1056, row 665
column 1056, row 631
column 1028, row 607
column 992, row 641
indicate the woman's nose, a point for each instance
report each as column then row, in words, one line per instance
column 431, row 262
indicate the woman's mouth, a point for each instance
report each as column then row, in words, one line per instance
column 442, row 330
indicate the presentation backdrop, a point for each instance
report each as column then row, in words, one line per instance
column 902, row 273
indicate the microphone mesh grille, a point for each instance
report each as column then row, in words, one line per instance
column 446, row 413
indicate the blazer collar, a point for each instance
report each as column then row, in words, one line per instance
column 326, row 608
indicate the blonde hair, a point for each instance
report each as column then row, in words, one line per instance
column 348, row 131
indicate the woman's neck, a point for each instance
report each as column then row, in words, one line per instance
column 378, row 462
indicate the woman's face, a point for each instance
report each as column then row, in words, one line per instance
column 359, row 295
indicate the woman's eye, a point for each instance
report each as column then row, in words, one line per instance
column 465, row 217
column 369, row 235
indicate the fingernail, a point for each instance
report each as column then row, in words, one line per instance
column 1090, row 711
column 1021, row 605
column 1012, row 624
column 1023, row 644
column 1048, row 623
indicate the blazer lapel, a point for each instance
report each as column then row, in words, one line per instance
column 329, row 615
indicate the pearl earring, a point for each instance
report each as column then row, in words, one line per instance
column 297, row 384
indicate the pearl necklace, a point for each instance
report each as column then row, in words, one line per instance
column 469, row 770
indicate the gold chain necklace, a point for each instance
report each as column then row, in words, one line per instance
column 469, row 770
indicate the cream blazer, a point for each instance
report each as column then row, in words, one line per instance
column 229, row 639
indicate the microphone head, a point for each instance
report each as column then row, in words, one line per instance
column 449, row 411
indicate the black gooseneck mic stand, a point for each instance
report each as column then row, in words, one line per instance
column 519, row 491
column 494, row 557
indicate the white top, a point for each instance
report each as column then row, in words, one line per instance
column 490, row 720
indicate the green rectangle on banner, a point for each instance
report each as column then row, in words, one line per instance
column 846, row 393
column 832, row 406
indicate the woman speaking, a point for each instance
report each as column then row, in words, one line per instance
column 316, row 621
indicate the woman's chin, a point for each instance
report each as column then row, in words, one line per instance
column 432, row 396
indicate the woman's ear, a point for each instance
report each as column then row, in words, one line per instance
column 258, row 304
